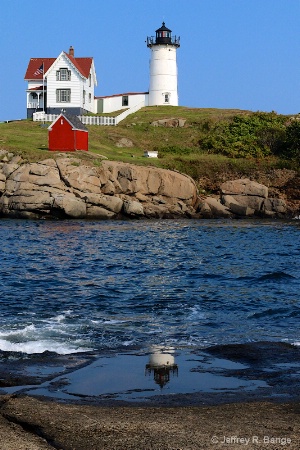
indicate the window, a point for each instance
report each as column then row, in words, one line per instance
column 63, row 75
column 90, row 98
column 63, row 95
column 83, row 95
column 90, row 80
column 167, row 98
column 125, row 100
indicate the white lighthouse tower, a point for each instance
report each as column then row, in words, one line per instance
column 163, row 67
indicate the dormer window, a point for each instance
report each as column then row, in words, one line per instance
column 63, row 75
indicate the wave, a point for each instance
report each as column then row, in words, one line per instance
column 52, row 335
column 271, row 312
column 32, row 347
column 276, row 276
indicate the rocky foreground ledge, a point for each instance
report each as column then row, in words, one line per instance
column 27, row 423
column 68, row 187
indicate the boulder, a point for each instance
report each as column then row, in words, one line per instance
column 124, row 142
column 240, row 210
column 170, row 123
column 245, row 198
column 153, row 211
column 152, row 181
column 216, row 207
column 78, row 176
column 70, row 205
column 133, row 208
column 249, row 201
column 275, row 205
column 97, row 212
column 109, row 202
column 29, row 201
column 9, row 168
column 244, row 186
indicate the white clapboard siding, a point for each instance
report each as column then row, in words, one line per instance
column 75, row 84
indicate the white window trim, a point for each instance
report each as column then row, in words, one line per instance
column 63, row 95
column 63, row 74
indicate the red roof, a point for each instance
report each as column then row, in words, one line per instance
column 83, row 65
column 35, row 64
column 38, row 88
column 121, row 95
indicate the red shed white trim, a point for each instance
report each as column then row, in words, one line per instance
column 67, row 134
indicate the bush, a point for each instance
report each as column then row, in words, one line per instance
column 253, row 135
column 290, row 147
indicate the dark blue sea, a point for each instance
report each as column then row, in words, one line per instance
column 77, row 286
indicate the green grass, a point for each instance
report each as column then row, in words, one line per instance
column 30, row 140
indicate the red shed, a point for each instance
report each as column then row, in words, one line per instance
column 67, row 133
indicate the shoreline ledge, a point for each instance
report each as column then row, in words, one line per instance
column 70, row 188
column 29, row 423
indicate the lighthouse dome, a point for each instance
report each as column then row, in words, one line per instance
column 163, row 35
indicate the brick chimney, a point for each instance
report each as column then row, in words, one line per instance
column 71, row 51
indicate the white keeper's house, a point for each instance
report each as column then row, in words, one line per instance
column 68, row 82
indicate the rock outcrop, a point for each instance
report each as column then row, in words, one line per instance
column 169, row 123
column 242, row 198
column 247, row 198
column 69, row 187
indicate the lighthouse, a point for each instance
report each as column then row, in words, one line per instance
column 163, row 88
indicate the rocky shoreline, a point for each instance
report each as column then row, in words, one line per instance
column 268, row 417
column 68, row 187
column 27, row 423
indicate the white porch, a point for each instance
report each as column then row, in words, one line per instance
column 35, row 99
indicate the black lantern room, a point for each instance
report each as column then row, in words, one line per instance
column 163, row 36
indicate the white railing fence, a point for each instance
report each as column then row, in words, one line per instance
column 97, row 120
column 41, row 116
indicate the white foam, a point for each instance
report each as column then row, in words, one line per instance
column 113, row 321
column 52, row 336
column 31, row 347
column 196, row 313
column 126, row 343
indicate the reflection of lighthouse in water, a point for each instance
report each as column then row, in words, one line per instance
column 161, row 363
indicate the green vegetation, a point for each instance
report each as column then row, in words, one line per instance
column 256, row 135
column 212, row 143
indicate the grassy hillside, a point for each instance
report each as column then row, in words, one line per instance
column 197, row 149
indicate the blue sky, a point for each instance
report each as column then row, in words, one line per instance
column 242, row 54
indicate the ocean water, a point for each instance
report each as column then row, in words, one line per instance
column 77, row 286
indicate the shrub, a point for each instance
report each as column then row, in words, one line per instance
column 253, row 135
